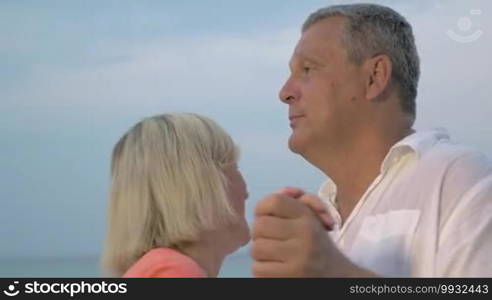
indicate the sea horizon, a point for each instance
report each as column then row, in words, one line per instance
column 236, row 265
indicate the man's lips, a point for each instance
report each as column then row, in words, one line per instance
column 293, row 120
column 293, row 117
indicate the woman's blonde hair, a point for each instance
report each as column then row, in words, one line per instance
column 167, row 186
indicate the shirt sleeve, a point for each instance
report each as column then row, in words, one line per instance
column 460, row 177
column 465, row 240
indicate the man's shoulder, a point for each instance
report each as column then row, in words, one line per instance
column 453, row 166
column 463, row 168
column 449, row 154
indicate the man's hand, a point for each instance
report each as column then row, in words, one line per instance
column 313, row 202
column 290, row 238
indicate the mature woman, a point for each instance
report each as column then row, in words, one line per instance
column 177, row 199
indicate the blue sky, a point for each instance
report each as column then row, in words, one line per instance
column 74, row 75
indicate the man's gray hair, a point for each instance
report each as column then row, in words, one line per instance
column 372, row 30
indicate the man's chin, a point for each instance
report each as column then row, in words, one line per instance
column 295, row 144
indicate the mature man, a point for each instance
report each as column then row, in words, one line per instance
column 402, row 203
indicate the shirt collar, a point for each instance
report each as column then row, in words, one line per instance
column 417, row 143
column 328, row 190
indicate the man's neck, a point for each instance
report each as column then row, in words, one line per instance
column 357, row 166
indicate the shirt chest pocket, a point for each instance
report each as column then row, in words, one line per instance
column 384, row 242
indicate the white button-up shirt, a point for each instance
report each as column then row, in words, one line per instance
column 427, row 214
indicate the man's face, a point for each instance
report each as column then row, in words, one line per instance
column 323, row 90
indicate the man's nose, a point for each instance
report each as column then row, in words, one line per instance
column 288, row 92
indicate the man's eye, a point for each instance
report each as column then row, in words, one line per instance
column 306, row 70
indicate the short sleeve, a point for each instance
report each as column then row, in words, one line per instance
column 176, row 269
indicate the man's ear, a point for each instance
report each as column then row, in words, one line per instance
column 378, row 70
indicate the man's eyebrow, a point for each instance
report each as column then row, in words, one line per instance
column 309, row 58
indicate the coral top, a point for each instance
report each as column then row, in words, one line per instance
column 165, row 262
